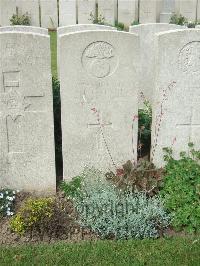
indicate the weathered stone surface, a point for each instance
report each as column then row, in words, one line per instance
column 25, row 29
column 85, row 8
column 187, row 8
column 176, row 117
column 82, row 27
column 75, row 28
column 168, row 8
column 147, row 33
column 67, row 12
column 99, row 83
column 7, row 9
column 108, row 9
column 49, row 14
column 127, row 11
column 32, row 8
column 26, row 113
column 148, row 11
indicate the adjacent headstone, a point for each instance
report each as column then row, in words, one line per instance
column 67, row 12
column 26, row 113
column 25, row 29
column 147, row 33
column 187, row 8
column 108, row 10
column 75, row 28
column 7, row 9
column 127, row 11
column 148, row 12
column 198, row 11
column 176, row 118
column 168, row 8
column 49, row 14
column 86, row 10
column 99, row 99
column 30, row 7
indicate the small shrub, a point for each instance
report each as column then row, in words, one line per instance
column 178, row 19
column 181, row 190
column 120, row 26
column 143, row 177
column 191, row 24
column 112, row 213
column 43, row 216
column 7, row 198
column 135, row 22
column 97, row 19
column 72, row 188
column 144, row 129
column 20, row 20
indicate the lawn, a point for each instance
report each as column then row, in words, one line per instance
column 172, row 251
column 53, row 36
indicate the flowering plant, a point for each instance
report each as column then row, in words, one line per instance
column 7, row 198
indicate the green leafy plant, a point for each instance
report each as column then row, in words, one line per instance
column 144, row 129
column 135, row 22
column 42, row 216
column 120, row 26
column 72, row 188
column 143, row 177
column 97, row 19
column 20, row 20
column 7, row 199
column 113, row 213
column 191, row 24
column 181, row 190
column 178, row 19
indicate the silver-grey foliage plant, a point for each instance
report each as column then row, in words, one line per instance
column 112, row 213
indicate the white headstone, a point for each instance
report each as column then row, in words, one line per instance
column 24, row 29
column 30, row 7
column 75, row 28
column 108, row 10
column 198, row 11
column 99, row 99
column 26, row 113
column 7, row 9
column 168, row 8
column 86, row 8
column 49, row 14
column 176, row 118
column 127, row 11
column 147, row 33
column 67, row 12
column 148, row 11
column 188, row 8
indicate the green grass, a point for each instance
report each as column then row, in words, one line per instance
column 53, row 36
column 172, row 251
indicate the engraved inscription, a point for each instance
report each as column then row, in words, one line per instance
column 100, row 59
column 14, row 105
column 189, row 58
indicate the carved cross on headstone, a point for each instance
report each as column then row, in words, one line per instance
column 14, row 105
column 190, row 125
column 100, row 124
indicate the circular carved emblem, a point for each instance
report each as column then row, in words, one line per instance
column 189, row 58
column 99, row 59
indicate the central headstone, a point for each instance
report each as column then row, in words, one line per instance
column 99, row 83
